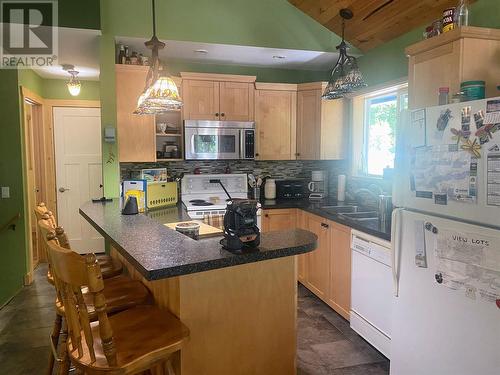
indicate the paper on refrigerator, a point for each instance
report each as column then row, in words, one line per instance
column 469, row 262
column 444, row 169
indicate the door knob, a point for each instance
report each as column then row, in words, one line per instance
column 63, row 189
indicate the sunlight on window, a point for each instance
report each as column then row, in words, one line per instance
column 380, row 133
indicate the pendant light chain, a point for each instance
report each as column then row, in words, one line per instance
column 345, row 76
column 161, row 93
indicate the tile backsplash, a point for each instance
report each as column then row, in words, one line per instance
column 275, row 169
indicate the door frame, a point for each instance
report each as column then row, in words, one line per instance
column 46, row 120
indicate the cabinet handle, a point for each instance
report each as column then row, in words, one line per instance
column 266, row 215
column 222, row 114
column 297, row 154
column 324, row 225
column 257, row 154
column 217, row 114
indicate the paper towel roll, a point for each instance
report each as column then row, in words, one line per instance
column 341, row 187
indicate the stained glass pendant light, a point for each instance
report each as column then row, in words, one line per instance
column 161, row 93
column 346, row 76
column 74, row 85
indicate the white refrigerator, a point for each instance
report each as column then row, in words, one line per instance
column 446, row 241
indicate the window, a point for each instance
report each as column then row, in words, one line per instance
column 378, row 115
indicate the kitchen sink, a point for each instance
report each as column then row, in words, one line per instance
column 340, row 209
column 360, row 216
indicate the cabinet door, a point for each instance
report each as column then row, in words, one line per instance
column 429, row 70
column 308, row 124
column 275, row 114
column 318, row 261
column 236, row 101
column 334, row 140
column 136, row 133
column 201, row 100
column 339, row 296
column 302, row 259
column 278, row 219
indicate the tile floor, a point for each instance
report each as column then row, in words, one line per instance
column 326, row 343
column 328, row 346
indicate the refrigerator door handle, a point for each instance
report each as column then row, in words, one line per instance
column 395, row 235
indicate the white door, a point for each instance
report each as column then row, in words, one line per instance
column 438, row 329
column 77, row 133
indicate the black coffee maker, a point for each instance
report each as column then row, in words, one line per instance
column 240, row 223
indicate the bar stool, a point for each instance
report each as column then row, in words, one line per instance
column 109, row 266
column 138, row 339
column 121, row 293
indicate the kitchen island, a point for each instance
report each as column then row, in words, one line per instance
column 240, row 308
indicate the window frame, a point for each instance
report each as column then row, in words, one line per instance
column 360, row 164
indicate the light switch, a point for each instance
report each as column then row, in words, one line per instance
column 5, row 192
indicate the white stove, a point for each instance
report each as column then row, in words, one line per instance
column 202, row 198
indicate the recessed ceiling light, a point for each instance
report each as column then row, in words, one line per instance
column 201, row 51
column 279, row 57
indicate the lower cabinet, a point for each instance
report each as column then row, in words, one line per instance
column 278, row 219
column 326, row 271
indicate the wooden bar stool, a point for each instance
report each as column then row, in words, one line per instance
column 109, row 266
column 121, row 293
column 138, row 339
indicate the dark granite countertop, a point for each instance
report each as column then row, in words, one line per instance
column 159, row 252
column 314, row 206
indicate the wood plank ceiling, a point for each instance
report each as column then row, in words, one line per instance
column 375, row 21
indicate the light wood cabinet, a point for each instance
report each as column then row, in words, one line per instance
column 221, row 97
column 326, row 271
column 321, row 128
column 275, row 117
column 339, row 294
column 201, row 100
column 464, row 54
column 278, row 219
column 135, row 133
column 138, row 140
column 318, row 261
column 302, row 259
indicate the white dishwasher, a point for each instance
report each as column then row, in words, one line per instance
column 371, row 290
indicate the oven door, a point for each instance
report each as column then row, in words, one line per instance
column 212, row 143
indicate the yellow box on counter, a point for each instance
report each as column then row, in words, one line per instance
column 160, row 194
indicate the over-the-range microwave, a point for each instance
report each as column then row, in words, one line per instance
column 213, row 140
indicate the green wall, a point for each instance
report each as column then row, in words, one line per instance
column 262, row 23
column 389, row 62
column 56, row 88
column 13, row 243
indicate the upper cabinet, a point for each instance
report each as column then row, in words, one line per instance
column 321, row 128
column 136, row 133
column 219, row 97
column 464, row 54
column 201, row 99
column 275, row 118
column 144, row 138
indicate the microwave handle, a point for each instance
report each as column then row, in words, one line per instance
column 192, row 143
column 242, row 144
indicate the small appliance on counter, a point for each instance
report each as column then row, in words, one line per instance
column 318, row 185
column 291, row 189
column 240, row 222
column 160, row 192
column 138, row 189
